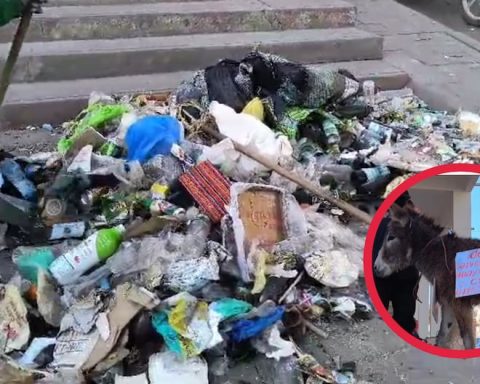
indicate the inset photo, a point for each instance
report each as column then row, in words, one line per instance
column 422, row 260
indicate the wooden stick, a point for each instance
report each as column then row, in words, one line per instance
column 301, row 181
column 294, row 284
column 15, row 50
column 312, row 327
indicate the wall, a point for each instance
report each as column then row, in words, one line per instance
column 438, row 205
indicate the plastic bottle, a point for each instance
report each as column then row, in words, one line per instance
column 163, row 207
column 367, row 140
column 340, row 173
column 95, row 249
column 14, row 174
column 369, row 92
column 196, row 236
column 331, row 132
column 307, row 150
column 381, row 131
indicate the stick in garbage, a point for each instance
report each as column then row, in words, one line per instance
column 15, row 50
column 309, row 186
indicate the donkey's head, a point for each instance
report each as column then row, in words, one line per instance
column 396, row 252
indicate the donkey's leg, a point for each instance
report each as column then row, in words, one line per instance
column 464, row 315
column 448, row 318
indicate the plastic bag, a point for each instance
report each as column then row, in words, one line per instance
column 194, row 274
column 332, row 269
column 30, row 260
column 469, row 123
column 151, row 136
column 247, row 130
column 165, row 367
column 336, row 237
column 96, row 116
column 273, row 346
column 246, row 329
column 255, row 109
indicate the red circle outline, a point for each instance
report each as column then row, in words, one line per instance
column 368, row 269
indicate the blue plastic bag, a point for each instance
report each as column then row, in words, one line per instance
column 229, row 308
column 246, row 329
column 151, row 136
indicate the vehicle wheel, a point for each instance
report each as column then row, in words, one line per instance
column 471, row 12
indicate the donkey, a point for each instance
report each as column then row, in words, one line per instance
column 414, row 239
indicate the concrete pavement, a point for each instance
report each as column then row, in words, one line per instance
column 443, row 64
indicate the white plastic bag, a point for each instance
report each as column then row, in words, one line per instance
column 165, row 367
column 249, row 131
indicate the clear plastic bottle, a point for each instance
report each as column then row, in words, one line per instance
column 97, row 248
column 14, row 174
column 196, row 235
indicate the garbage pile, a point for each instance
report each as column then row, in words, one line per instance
column 146, row 250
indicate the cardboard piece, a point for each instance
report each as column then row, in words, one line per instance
column 89, row 137
column 467, row 271
column 129, row 300
column 261, row 215
column 14, row 327
column 73, row 349
column 12, row 373
column 83, row 160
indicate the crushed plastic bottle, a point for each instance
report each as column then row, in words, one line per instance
column 13, row 173
column 95, row 249
column 196, row 236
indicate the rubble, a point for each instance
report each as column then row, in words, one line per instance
column 147, row 250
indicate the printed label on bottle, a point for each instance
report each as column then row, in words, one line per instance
column 374, row 174
column 68, row 267
column 67, row 230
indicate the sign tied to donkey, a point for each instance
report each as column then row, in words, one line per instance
column 467, row 273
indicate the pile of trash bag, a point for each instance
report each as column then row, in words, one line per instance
column 143, row 246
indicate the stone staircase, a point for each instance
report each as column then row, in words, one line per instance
column 122, row 46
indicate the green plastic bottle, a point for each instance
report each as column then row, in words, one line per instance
column 94, row 250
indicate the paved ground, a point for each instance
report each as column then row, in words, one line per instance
column 447, row 12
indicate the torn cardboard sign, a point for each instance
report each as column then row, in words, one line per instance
column 14, row 328
column 73, row 349
column 129, row 300
column 263, row 216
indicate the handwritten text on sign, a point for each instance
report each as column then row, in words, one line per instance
column 467, row 272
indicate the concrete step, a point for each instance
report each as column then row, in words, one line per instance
column 63, row 3
column 55, row 102
column 180, row 18
column 70, row 60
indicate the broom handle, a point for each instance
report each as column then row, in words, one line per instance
column 15, row 50
column 301, row 181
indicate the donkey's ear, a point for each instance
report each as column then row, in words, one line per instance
column 399, row 214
